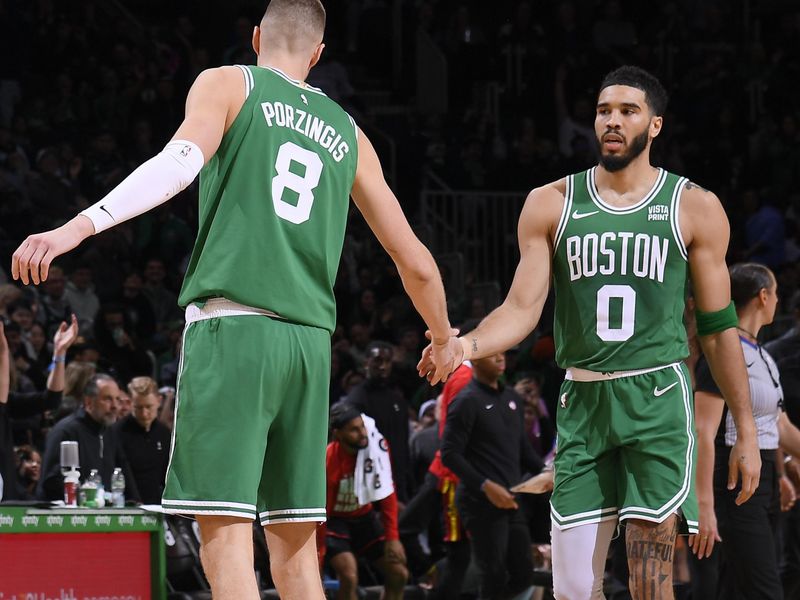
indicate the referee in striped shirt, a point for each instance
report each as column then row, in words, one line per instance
column 749, row 557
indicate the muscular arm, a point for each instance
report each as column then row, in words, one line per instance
column 416, row 266
column 708, row 413
column 519, row 313
column 707, row 233
column 213, row 102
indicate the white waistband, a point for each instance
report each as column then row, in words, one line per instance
column 576, row 374
column 222, row 307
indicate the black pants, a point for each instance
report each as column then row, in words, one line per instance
column 705, row 575
column 422, row 508
column 750, row 535
column 501, row 546
column 453, row 569
column 422, row 514
column 791, row 556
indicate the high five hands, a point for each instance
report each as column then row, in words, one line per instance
column 441, row 357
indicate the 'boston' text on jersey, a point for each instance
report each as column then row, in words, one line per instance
column 314, row 128
column 621, row 253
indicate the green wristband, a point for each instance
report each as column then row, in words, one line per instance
column 714, row 322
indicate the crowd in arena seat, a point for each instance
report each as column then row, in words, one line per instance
column 89, row 90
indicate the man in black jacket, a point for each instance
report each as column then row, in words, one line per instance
column 484, row 443
column 379, row 398
column 24, row 405
column 99, row 446
column 145, row 440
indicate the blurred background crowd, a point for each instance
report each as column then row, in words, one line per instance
column 464, row 99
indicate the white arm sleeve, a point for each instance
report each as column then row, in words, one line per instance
column 153, row 183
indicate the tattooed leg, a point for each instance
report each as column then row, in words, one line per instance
column 651, row 548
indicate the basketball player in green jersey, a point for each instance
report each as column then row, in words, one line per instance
column 279, row 161
column 619, row 242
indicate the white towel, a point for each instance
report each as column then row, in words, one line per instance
column 373, row 476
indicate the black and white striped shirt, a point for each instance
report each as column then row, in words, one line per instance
column 766, row 395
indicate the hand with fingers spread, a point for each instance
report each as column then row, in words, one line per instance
column 31, row 261
column 65, row 336
column 702, row 543
column 745, row 459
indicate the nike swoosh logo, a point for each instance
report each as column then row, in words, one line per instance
column 488, row 406
column 751, row 364
column 103, row 208
column 577, row 215
column 657, row 392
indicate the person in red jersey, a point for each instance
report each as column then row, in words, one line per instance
column 358, row 470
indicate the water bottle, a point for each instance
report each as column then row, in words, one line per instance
column 71, row 481
column 88, row 494
column 101, row 490
column 118, row 488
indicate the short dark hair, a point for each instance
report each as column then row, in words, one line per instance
column 654, row 93
column 91, row 388
column 342, row 413
column 747, row 281
column 26, row 452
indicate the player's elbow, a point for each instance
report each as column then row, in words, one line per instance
column 423, row 272
column 417, row 266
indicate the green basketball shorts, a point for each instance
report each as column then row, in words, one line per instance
column 251, row 418
column 626, row 448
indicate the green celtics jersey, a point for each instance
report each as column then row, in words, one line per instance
column 274, row 202
column 620, row 278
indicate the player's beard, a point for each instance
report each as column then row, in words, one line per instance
column 616, row 162
column 360, row 444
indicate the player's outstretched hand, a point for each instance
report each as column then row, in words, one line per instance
column 440, row 359
column 745, row 459
column 31, row 261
